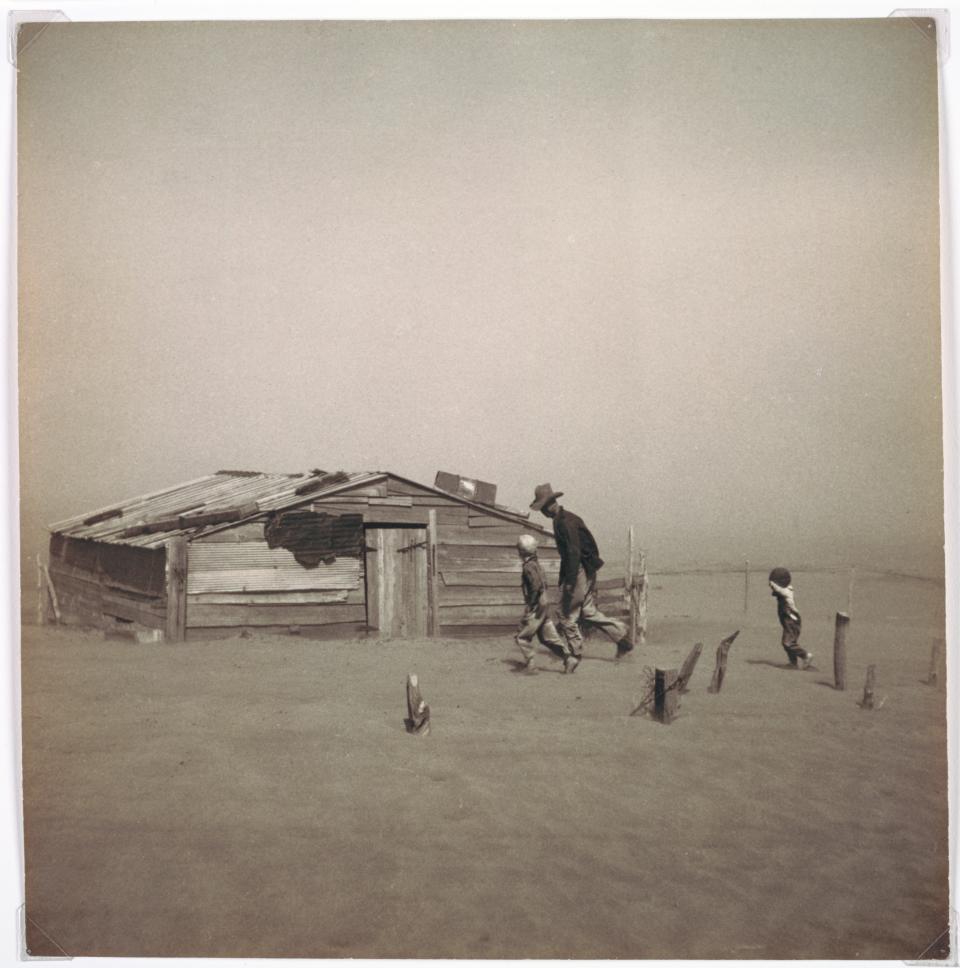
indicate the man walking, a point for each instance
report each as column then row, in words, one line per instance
column 579, row 563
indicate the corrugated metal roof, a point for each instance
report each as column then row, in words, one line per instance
column 224, row 491
column 255, row 493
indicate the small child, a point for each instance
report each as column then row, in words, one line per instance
column 782, row 590
column 536, row 621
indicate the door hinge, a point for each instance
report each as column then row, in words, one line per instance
column 419, row 544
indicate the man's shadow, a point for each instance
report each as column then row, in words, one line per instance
column 518, row 667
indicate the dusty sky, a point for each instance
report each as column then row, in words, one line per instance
column 685, row 272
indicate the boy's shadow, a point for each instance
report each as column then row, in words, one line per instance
column 773, row 665
column 786, row 667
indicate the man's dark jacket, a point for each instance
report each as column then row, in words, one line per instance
column 576, row 546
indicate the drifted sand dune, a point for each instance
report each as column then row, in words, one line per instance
column 260, row 797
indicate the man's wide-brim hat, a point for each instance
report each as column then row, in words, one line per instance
column 543, row 494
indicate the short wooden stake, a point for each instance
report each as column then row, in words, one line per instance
column 665, row 695
column 935, row 652
column 868, row 697
column 53, row 593
column 746, row 583
column 418, row 712
column 686, row 670
column 720, row 670
column 840, row 651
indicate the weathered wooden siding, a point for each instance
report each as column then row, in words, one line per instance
column 96, row 581
column 246, row 584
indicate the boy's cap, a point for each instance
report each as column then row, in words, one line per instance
column 543, row 494
column 527, row 544
column 780, row 576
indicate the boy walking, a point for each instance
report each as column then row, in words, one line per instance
column 782, row 590
column 536, row 622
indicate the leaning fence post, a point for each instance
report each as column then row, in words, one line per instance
column 720, row 669
column 840, row 651
column 686, row 670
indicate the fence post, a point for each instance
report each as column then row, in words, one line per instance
column 840, row 651
column 433, row 584
column 665, row 695
column 746, row 583
column 642, row 600
column 175, row 629
column 686, row 670
column 41, row 616
column 720, row 670
column 53, row 593
column 629, row 591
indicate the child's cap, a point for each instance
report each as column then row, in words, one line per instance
column 527, row 544
column 780, row 576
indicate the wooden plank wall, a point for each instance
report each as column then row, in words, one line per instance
column 86, row 597
column 477, row 561
column 238, row 582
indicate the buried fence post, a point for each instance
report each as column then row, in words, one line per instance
column 720, row 670
column 868, row 699
column 686, row 670
column 418, row 712
column 840, row 651
column 935, row 651
column 665, row 695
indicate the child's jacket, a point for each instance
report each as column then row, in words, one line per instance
column 534, row 584
column 786, row 607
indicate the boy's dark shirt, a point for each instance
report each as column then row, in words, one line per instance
column 534, row 582
column 576, row 546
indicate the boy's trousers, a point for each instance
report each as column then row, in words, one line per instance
column 536, row 623
column 791, row 640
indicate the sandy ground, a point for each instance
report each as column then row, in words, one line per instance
column 260, row 797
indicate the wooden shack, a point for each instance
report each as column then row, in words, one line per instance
column 333, row 554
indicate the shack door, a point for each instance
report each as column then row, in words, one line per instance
column 397, row 580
